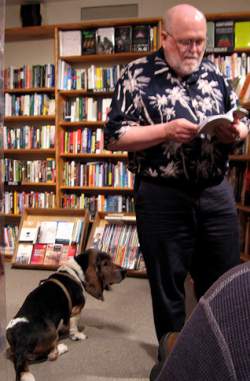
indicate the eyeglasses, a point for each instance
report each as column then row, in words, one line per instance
column 186, row 44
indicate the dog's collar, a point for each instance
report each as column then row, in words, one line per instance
column 71, row 267
column 61, row 285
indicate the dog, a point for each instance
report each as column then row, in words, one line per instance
column 54, row 307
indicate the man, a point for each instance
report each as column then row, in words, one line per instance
column 186, row 216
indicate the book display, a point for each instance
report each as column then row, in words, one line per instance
column 116, row 234
column 48, row 238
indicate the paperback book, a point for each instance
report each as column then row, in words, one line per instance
column 89, row 41
column 209, row 125
column 105, row 40
column 141, row 38
column 224, row 35
column 123, row 39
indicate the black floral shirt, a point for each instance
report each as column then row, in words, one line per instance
column 149, row 92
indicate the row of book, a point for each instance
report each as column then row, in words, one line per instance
column 10, row 234
column 98, row 203
column 232, row 66
column 29, row 137
column 15, row 172
column 97, row 174
column 28, row 76
column 120, row 241
column 29, row 104
column 228, row 35
column 96, row 78
column 84, row 140
column 15, row 202
column 86, row 108
column 107, row 40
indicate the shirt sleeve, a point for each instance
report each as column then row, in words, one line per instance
column 122, row 114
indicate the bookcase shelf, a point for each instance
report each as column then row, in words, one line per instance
column 30, row 90
column 29, row 118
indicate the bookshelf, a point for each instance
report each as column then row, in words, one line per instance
column 74, row 195
column 60, row 192
column 115, row 233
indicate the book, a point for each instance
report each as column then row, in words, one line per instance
column 89, row 41
column 123, row 38
column 208, row 125
column 28, row 234
column 242, row 35
column 70, row 43
column 68, row 251
column 47, row 232
column 105, row 40
column 210, row 35
column 224, row 35
column 53, row 254
column 24, row 251
column 64, row 232
column 38, row 253
column 141, row 38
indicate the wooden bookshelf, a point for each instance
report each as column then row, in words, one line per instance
column 122, row 244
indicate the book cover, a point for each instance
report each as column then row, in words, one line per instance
column 105, row 40
column 24, row 251
column 53, row 254
column 64, row 232
column 123, row 39
column 141, row 38
column 210, row 35
column 224, row 35
column 89, row 41
column 70, row 43
column 68, row 251
column 208, row 125
column 38, row 253
column 242, row 35
column 47, row 232
column 28, row 234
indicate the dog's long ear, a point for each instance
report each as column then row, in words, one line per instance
column 93, row 283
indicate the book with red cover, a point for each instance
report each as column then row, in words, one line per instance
column 38, row 253
column 53, row 254
column 68, row 251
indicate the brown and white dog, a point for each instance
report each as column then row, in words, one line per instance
column 55, row 306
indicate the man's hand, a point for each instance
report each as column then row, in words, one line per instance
column 230, row 134
column 181, row 130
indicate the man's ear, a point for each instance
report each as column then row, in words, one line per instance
column 164, row 37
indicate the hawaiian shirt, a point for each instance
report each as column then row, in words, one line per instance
column 150, row 92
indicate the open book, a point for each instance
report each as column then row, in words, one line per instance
column 208, row 125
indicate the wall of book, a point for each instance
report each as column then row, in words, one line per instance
column 90, row 60
column 54, row 154
column 54, row 118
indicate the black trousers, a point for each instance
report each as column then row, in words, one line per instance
column 183, row 231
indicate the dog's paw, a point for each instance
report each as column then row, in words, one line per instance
column 27, row 376
column 62, row 348
column 78, row 336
